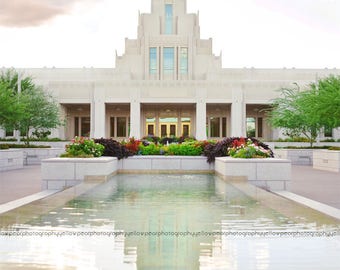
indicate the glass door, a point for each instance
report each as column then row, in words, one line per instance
column 168, row 127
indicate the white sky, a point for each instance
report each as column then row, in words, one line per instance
column 250, row 33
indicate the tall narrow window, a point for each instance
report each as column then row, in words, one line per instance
column 168, row 19
column 214, row 127
column 183, row 61
column 76, row 126
column 85, row 126
column 153, row 61
column 251, row 127
column 82, row 126
column 224, row 127
column 112, row 127
column 168, row 60
column 260, row 127
column 121, row 127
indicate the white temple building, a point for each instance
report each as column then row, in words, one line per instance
column 169, row 83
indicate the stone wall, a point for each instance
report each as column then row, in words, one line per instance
column 267, row 173
column 296, row 156
column 159, row 164
column 326, row 160
column 60, row 173
column 11, row 159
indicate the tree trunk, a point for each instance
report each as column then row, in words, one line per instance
column 27, row 141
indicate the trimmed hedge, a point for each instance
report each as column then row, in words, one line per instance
column 9, row 145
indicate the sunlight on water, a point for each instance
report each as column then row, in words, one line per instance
column 167, row 222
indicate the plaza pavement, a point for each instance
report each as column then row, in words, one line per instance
column 321, row 186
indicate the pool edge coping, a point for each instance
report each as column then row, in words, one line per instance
column 318, row 206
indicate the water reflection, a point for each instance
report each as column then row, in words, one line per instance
column 163, row 204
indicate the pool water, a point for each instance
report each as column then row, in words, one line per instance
column 188, row 222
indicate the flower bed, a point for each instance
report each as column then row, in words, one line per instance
column 239, row 147
column 235, row 147
column 247, row 148
column 82, row 147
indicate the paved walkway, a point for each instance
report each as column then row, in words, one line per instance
column 317, row 185
column 17, row 184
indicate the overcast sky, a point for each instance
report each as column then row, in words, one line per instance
column 250, row 33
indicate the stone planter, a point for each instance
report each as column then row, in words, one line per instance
column 34, row 156
column 326, row 160
column 60, row 173
column 268, row 173
column 165, row 164
column 11, row 159
column 296, row 156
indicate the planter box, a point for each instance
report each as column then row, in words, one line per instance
column 165, row 164
column 11, row 159
column 296, row 156
column 326, row 160
column 268, row 173
column 60, row 173
column 34, row 156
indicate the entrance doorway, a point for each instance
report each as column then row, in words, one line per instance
column 168, row 127
column 168, row 120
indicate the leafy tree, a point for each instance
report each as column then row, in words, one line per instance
column 307, row 112
column 10, row 108
column 35, row 108
column 295, row 112
column 328, row 101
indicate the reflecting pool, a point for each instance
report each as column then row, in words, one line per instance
column 168, row 222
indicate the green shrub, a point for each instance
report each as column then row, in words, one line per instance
column 27, row 146
column 83, row 148
column 151, row 138
column 307, row 147
column 334, row 148
column 293, row 139
column 328, row 140
column 190, row 148
column 8, row 139
column 45, row 140
column 4, row 146
column 150, row 149
column 32, row 140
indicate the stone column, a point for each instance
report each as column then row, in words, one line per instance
column 135, row 119
column 98, row 113
column 201, row 115
column 238, row 114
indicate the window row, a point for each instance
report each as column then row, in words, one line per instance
column 217, row 127
column 170, row 65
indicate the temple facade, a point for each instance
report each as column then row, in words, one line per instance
column 169, row 83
